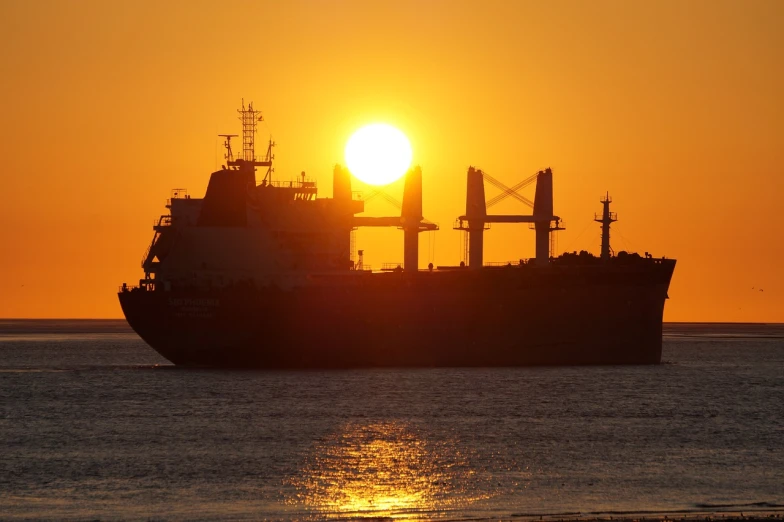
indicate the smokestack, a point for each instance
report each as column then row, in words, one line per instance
column 411, row 217
column 341, row 194
column 341, row 184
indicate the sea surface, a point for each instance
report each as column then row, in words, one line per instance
column 95, row 425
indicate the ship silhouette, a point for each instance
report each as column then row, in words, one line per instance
column 261, row 274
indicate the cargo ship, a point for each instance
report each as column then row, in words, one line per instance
column 263, row 274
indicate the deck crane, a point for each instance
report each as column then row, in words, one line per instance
column 476, row 219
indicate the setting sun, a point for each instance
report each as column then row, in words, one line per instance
column 378, row 154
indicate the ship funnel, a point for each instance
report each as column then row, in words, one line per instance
column 341, row 184
column 411, row 217
column 543, row 213
column 341, row 194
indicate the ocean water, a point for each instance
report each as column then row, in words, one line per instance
column 95, row 425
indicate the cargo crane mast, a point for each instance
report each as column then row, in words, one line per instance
column 476, row 219
column 410, row 219
column 606, row 220
column 424, row 224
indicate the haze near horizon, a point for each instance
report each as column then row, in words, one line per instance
column 674, row 108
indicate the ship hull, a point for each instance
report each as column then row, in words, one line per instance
column 501, row 317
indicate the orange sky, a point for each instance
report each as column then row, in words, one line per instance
column 674, row 107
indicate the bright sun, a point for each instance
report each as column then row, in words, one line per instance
column 378, row 154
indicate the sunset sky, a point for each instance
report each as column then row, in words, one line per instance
column 674, row 107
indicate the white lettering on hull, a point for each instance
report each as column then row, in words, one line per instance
column 194, row 307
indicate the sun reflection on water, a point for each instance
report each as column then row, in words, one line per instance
column 382, row 470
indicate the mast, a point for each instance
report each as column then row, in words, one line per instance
column 606, row 220
column 250, row 118
column 229, row 156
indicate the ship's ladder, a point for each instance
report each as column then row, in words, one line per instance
column 148, row 260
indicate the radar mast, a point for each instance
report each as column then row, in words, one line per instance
column 229, row 156
column 249, row 118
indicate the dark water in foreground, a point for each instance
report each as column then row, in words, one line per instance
column 94, row 424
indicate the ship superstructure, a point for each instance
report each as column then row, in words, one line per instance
column 229, row 277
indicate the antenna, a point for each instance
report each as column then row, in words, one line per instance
column 227, row 143
column 268, row 162
column 249, row 118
